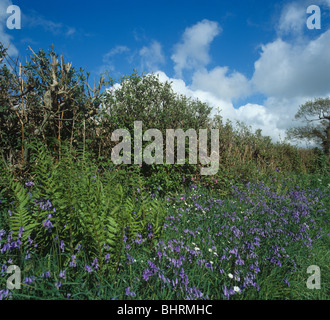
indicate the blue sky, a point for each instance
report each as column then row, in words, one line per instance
column 254, row 60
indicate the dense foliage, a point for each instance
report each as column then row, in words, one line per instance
column 47, row 100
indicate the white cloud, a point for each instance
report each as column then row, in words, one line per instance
column 294, row 16
column 4, row 4
column 71, row 31
column 224, row 85
column 48, row 25
column 108, row 58
column 33, row 19
column 193, row 50
column 288, row 73
column 273, row 117
column 287, row 70
column 116, row 50
column 180, row 87
column 259, row 117
column 293, row 19
column 254, row 115
column 6, row 40
column 152, row 57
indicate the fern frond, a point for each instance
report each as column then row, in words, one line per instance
column 20, row 218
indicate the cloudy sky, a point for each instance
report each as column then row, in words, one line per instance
column 254, row 61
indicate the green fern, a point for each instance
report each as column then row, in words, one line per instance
column 96, row 209
column 20, row 218
column 86, row 207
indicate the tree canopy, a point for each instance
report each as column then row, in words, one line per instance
column 315, row 115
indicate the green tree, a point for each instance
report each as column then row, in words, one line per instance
column 145, row 98
column 316, row 117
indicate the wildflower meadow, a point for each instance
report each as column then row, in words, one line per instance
column 75, row 235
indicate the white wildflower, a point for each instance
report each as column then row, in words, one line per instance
column 237, row 289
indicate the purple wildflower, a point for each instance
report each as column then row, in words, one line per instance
column 62, row 245
column 20, row 233
column 226, row 293
column 78, row 248
column 46, row 275
column 29, row 184
column 88, row 269
column 73, row 262
column 129, row 293
column 146, row 274
column 48, row 224
column 62, row 274
column 28, row 280
column 94, row 264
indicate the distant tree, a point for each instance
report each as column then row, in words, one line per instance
column 316, row 116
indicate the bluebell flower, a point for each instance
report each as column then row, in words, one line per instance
column 62, row 274
column 146, row 274
column 28, row 280
column 94, row 263
column 29, row 184
column 226, row 293
column 46, row 275
column 20, row 233
column 5, row 294
column 47, row 224
column 62, row 245
column 88, row 269
column 129, row 293
column 78, row 248
column 73, row 262
column 27, row 256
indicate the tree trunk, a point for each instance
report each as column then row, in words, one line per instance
column 327, row 141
